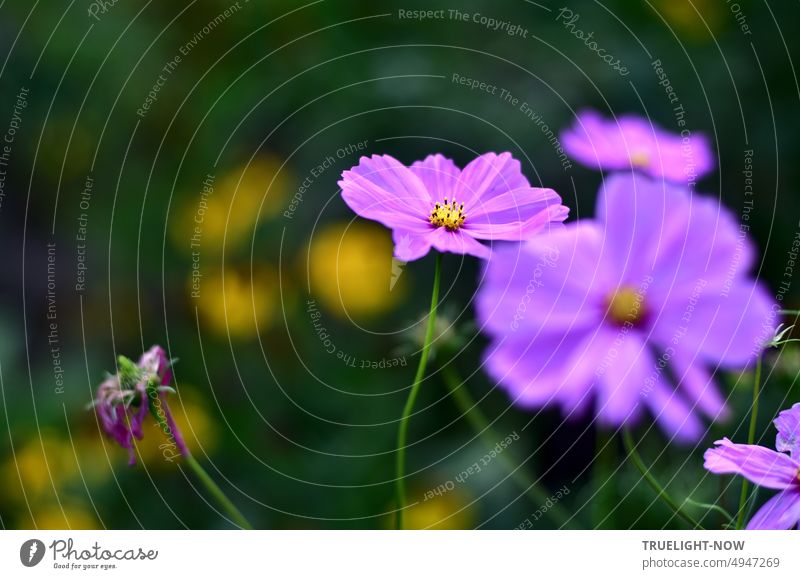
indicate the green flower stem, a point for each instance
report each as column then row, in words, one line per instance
column 790, row 312
column 204, row 477
column 470, row 410
column 217, row 493
column 630, row 447
column 605, row 461
column 402, row 432
column 751, row 436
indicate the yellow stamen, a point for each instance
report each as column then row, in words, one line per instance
column 625, row 306
column 448, row 215
column 640, row 159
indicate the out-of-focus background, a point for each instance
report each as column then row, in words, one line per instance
column 168, row 174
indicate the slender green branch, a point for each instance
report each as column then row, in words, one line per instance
column 790, row 312
column 605, row 459
column 470, row 410
column 630, row 447
column 402, row 432
column 711, row 507
column 751, row 436
column 217, row 493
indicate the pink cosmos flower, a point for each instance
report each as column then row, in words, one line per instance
column 767, row 468
column 635, row 309
column 434, row 204
column 632, row 142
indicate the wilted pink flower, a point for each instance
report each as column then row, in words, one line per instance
column 434, row 204
column 632, row 142
column 767, row 468
column 124, row 400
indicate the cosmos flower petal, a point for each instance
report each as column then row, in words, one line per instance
column 623, row 371
column 673, row 414
column 698, row 385
column 788, row 425
column 458, row 242
column 383, row 189
column 513, row 205
column 729, row 330
column 551, row 281
column 761, row 466
column 488, row 176
column 544, row 220
column 409, row 245
column 780, row 513
column 439, row 175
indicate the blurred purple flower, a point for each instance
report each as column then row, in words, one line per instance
column 632, row 142
column 434, row 204
column 124, row 400
column 766, row 468
column 636, row 308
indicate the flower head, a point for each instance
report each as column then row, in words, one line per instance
column 766, row 468
column 434, row 204
column 124, row 400
column 632, row 142
column 634, row 309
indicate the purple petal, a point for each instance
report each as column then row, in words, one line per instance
column 547, row 218
column 623, row 372
column 673, row 414
column 410, row 245
column 779, row 513
column 788, row 425
column 698, row 385
column 761, row 466
column 729, row 330
column 457, row 242
column 382, row 189
column 439, row 175
column 552, row 281
column 488, row 176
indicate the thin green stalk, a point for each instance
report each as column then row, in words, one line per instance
column 751, row 436
column 217, row 493
column 470, row 410
column 630, row 447
column 602, row 471
column 402, row 432
column 790, row 312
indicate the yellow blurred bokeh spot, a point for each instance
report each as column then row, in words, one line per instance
column 238, row 302
column 351, row 269
column 65, row 516
column 38, row 466
column 238, row 200
column 448, row 511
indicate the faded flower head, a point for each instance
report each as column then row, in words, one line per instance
column 632, row 142
column 634, row 309
column 124, row 400
column 771, row 469
column 434, row 204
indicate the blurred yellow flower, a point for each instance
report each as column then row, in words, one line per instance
column 239, row 304
column 38, row 466
column 692, row 17
column 351, row 269
column 227, row 209
column 441, row 513
column 65, row 516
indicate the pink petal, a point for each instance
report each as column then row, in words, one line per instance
column 488, row 176
column 779, row 513
column 457, row 242
column 761, row 466
column 410, row 245
column 439, row 174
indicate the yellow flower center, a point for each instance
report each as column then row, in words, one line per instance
column 448, row 215
column 640, row 159
column 625, row 306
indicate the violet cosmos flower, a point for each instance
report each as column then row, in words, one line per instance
column 124, row 400
column 767, row 468
column 632, row 142
column 434, row 204
column 634, row 309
